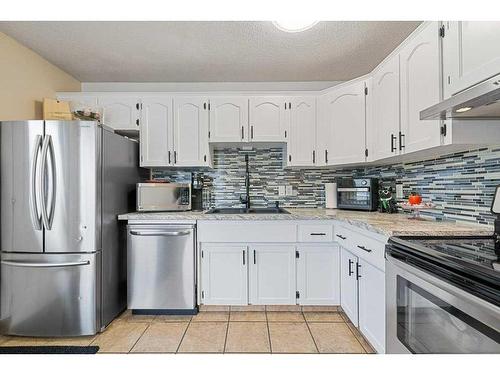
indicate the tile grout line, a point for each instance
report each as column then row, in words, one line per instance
column 310, row 332
column 140, row 336
column 268, row 332
column 227, row 330
column 183, row 335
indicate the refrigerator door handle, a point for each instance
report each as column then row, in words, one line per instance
column 54, row 180
column 44, row 265
column 47, row 146
column 35, row 216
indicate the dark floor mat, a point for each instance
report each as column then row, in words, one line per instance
column 49, row 349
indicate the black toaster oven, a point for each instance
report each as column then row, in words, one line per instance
column 357, row 194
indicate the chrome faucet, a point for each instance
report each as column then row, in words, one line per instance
column 246, row 200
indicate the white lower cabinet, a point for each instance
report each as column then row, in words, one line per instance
column 272, row 278
column 372, row 304
column 349, row 285
column 224, row 274
column 318, row 278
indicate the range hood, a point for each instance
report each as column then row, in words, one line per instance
column 480, row 101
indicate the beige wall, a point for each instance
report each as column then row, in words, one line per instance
column 25, row 79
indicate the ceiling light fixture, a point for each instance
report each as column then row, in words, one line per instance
column 294, row 26
column 463, row 109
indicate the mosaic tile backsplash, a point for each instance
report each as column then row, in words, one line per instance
column 460, row 184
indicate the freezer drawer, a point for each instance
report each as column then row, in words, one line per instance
column 161, row 268
column 49, row 294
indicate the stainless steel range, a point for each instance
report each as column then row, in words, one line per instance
column 443, row 294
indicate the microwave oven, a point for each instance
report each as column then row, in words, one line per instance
column 163, row 197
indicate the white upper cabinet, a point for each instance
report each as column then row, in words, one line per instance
column 190, row 131
column 229, row 119
column 267, row 119
column 471, row 54
column 156, row 132
column 120, row 112
column 345, row 113
column 302, row 134
column 383, row 131
column 324, row 133
column 272, row 275
column 318, row 276
column 420, row 88
column 224, row 274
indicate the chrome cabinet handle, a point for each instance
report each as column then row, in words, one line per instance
column 401, row 137
column 169, row 159
column 326, row 156
column 314, row 157
column 242, row 132
column 175, row 157
column 45, row 265
column 254, row 258
column 251, row 131
column 244, row 253
column 35, row 216
column 341, row 237
column 365, row 249
column 350, row 270
column 160, row 234
column 317, row 234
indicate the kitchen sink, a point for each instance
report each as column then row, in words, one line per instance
column 264, row 210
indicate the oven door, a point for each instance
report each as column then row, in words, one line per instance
column 354, row 197
column 427, row 315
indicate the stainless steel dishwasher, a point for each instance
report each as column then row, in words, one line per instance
column 161, row 269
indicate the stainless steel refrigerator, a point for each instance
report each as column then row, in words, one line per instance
column 63, row 256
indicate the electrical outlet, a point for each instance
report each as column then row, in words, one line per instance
column 399, row 191
column 289, row 190
column 281, row 190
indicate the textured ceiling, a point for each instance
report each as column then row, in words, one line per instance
column 210, row 51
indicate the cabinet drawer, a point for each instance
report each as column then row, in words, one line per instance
column 315, row 233
column 367, row 246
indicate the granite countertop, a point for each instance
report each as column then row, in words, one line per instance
column 384, row 224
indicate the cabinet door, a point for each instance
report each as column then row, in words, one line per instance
column 272, row 275
column 267, row 119
column 349, row 285
column 372, row 304
column 228, row 119
column 324, row 133
column 302, row 135
column 345, row 113
column 120, row 112
column 471, row 54
column 156, row 132
column 383, row 131
column 224, row 275
column 420, row 88
column 190, row 133
column 318, row 277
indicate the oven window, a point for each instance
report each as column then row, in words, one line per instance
column 355, row 198
column 427, row 324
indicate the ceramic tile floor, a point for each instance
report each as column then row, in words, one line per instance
column 224, row 329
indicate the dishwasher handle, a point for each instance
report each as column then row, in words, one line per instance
column 160, row 234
